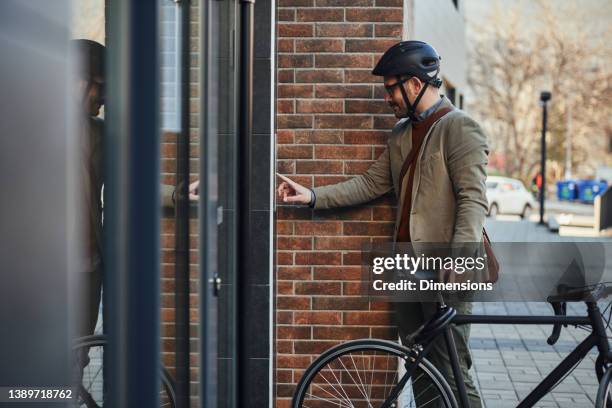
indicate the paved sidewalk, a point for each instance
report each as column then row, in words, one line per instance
column 509, row 360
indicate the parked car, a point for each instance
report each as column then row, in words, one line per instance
column 509, row 196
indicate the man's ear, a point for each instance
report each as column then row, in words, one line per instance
column 415, row 85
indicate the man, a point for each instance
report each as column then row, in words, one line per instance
column 435, row 162
column 89, row 99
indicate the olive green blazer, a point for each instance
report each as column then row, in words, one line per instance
column 449, row 202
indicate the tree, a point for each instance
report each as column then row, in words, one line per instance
column 513, row 58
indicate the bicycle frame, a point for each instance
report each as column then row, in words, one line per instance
column 598, row 337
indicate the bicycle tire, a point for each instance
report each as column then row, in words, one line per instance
column 99, row 340
column 372, row 345
column 604, row 391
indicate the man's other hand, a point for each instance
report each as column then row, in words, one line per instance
column 194, row 191
column 291, row 192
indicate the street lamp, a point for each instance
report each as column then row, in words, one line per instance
column 544, row 98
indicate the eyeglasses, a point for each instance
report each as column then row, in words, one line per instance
column 391, row 88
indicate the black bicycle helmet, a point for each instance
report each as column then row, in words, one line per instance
column 90, row 56
column 411, row 59
column 414, row 58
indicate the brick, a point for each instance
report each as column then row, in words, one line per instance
column 284, row 136
column 292, row 212
column 285, row 75
column 361, row 76
column 343, row 30
column 345, row 3
column 284, row 403
column 375, row 14
column 295, row 30
column 295, row 3
column 343, row 91
column 318, row 136
column 381, row 306
column 283, row 376
column 367, row 137
column 284, row 106
column 284, row 288
column 295, row 60
column 351, row 258
column 339, row 303
column 368, row 228
column 320, row 14
column 384, row 122
column 284, row 317
column 343, row 152
column 338, row 243
column 343, row 122
column 285, row 45
column 319, row 106
column 293, row 302
column 318, row 228
column 366, row 106
column 285, row 390
column 340, row 333
column 343, row 60
column 387, row 333
column 383, row 213
column 292, row 361
column 366, row 318
column 389, row 3
column 369, row 45
column 293, row 121
column 293, row 332
column 284, row 258
column 286, row 14
column 293, row 273
column 357, row 167
column 318, row 288
column 313, row 347
column 294, row 152
column 352, row 288
column 294, row 243
column 311, row 318
column 360, row 213
column 388, row 30
column 319, row 45
column 285, row 166
column 318, row 167
column 295, row 91
column 327, row 180
column 318, row 258
column 319, row 75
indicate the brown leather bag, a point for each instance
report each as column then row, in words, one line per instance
column 492, row 263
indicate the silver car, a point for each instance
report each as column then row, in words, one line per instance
column 509, row 196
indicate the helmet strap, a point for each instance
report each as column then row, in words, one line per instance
column 411, row 107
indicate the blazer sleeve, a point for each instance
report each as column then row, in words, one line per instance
column 467, row 158
column 375, row 182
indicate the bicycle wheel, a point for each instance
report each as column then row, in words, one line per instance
column 365, row 373
column 604, row 392
column 88, row 369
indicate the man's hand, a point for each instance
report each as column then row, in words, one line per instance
column 194, row 191
column 291, row 192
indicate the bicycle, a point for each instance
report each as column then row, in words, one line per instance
column 89, row 351
column 374, row 373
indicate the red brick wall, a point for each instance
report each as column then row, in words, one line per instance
column 332, row 123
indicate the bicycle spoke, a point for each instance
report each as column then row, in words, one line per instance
column 334, row 388
column 340, row 384
column 360, row 382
